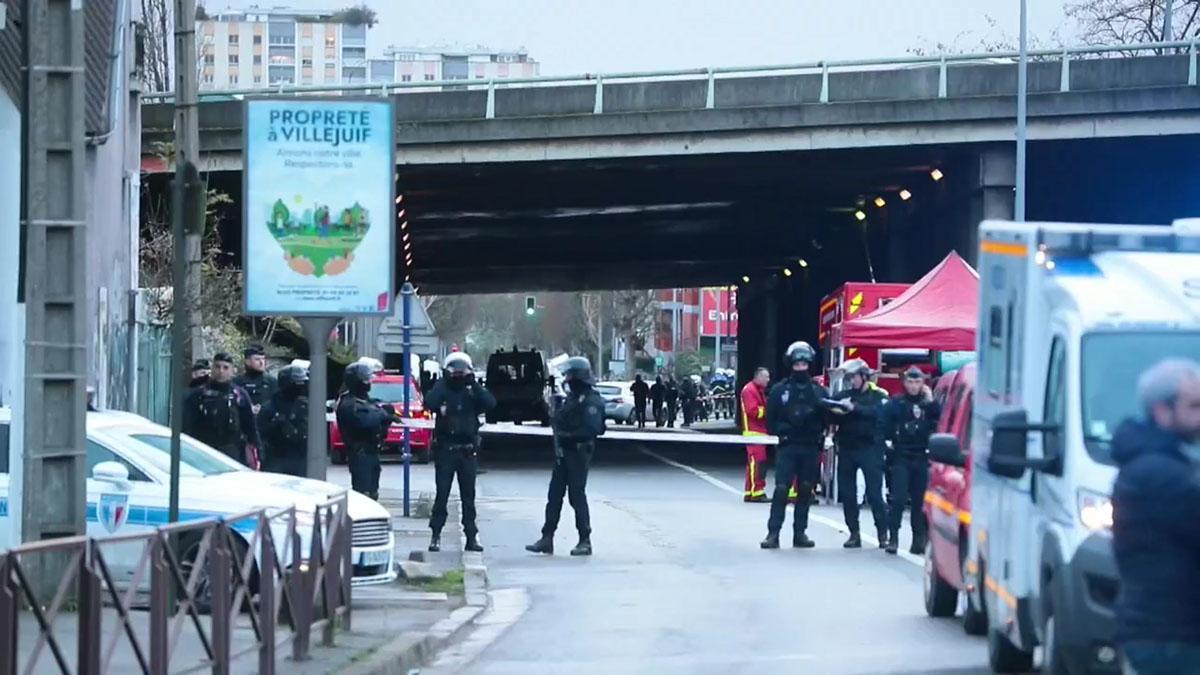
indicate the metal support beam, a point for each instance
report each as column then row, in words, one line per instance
column 54, row 216
column 187, row 149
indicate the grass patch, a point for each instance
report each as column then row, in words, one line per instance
column 450, row 583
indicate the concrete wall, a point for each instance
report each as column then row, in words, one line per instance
column 11, row 341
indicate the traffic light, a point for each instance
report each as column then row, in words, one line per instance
column 530, row 305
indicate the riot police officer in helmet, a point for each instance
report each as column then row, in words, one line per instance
column 283, row 424
column 857, row 418
column 797, row 415
column 363, row 424
column 576, row 425
column 907, row 421
column 457, row 400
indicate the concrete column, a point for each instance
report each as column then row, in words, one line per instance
column 993, row 177
column 770, row 325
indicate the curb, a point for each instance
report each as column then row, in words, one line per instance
column 411, row 650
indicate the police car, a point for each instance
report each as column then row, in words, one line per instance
column 128, row 464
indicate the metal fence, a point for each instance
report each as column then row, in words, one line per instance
column 943, row 62
column 217, row 590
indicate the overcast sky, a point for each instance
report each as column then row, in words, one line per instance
column 579, row 36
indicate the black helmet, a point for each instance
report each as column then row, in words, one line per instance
column 293, row 380
column 577, row 369
column 357, row 378
column 800, row 351
column 914, row 373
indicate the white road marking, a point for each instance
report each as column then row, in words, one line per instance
column 506, row 608
column 828, row 522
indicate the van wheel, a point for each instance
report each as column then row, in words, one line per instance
column 941, row 599
column 975, row 620
column 1005, row 657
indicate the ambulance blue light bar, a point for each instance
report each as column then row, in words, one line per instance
column 1070, row 241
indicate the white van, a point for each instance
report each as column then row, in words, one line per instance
column 1069, row 316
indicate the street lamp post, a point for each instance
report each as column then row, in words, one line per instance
column 1022, row 94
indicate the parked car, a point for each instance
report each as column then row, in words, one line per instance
column 948, row 504
column 128, row 472
column 618, row 401
column 520, row 382
column 387, row 386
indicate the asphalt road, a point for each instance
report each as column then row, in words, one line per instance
column 678, row 584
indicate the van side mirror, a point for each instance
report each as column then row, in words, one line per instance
column 1010, row 442
column 944, row 448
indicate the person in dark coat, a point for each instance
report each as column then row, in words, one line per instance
column 671, row 396
column 657, row 393
column 641, row 396
column 283, row 424
column 254, row 378
column 1156, row 523
column 218, row 413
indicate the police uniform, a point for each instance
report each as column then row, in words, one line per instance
column 363, row 425
column 576, row 426
column 908, row 421
column 260, row 386
column 795, row 413
column 283, row 424
column 858, row 450
column 218, row 414
column 457, row 400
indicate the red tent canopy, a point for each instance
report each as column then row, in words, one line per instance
column 939, row 312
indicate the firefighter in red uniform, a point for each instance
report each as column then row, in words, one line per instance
column 754, row 423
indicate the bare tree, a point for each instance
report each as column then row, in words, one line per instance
column 1106, row 22
column 157, row 18
column 631, row 315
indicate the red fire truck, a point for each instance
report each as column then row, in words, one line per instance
column 850, row 300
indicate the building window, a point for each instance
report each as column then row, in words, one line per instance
column 233, row 59
column 207, row 78
column 330, row 40
column 306, row 63
column 209, row 59
column 258, row 59
column 233, row 79
column 233, row 38
column 258, row 39
column 428, row 78
column 258, row 79
column 406, row 78
column 407, row 56
column 354, row 33
column 282, row 32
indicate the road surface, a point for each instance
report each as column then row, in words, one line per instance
column 678, row 583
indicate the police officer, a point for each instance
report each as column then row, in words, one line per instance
column 201, row 370
column 576, row 426
column 458, row 401
column 857, row 419
column 797, row 415
column 254, row 378
column 671, row 396
column 907, row 421
column 364, row 424
column 283, row 424
column 218, row 413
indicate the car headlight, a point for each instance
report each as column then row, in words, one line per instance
column 1095, row 510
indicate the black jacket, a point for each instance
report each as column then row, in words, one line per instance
column 1156, row 536
column 219, row 415
column 283, row 425
column 458, row 409
column 581, row 417
column 857, row 429
column 670, row 392
column 363, row 423
column 908, row 431
column 641, row 392
column 260, row 386
column 795, row 413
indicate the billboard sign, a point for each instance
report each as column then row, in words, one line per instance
column 718, row 307
column 318, row 196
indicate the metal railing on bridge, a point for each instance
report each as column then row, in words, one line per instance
column 235, row 581
column 713, row 75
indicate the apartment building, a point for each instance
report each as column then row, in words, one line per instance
column 428, row 64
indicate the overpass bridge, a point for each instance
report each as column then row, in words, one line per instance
column 716, row 176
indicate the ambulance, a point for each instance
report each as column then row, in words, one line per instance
column 1069, row 316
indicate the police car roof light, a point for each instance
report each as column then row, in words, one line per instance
column 1067, row 241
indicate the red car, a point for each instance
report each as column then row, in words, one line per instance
column 948, row 505
column 388, row 387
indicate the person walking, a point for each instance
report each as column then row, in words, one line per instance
column 671, row 396
column 857, row 419
column 576, row 426
column 907, row 421
column 657, row 394
column 457, row 401
column 754, row 423
column 687, row 398
column 218, row 413
column 641, row 397
column 283, row 424
column 1155, row 528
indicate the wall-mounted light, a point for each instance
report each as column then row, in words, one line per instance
column 860, row 215
column 400, row 215
column 787, row 271
column 880, row 202
column 399, row 198
column 405, row 237
column 905, row 195
column 403, row 224
column 937, row 174
column 802, row 262
column 745, row 279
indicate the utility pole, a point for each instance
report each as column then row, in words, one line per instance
column 54, row 490
column 1168, row 34
column 717, row 338
column 1022, row 95
column 187, row 223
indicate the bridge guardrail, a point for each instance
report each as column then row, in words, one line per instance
column 249, row 565
column 712, row 75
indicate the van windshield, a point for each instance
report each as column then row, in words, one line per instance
column 1112, row 363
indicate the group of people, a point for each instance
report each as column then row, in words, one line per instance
column 254, row 418
column 666, row 399
column 871, row 431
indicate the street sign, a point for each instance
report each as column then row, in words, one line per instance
column 318, row 206
column 426, row 345
column 419, row 318
column 658, row 361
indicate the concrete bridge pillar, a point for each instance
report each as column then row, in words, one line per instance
column 993, row 177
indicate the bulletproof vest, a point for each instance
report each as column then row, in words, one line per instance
column 289, row 427
column 221, row 424
column 361, row 423
column 581, row 418
column 913, row 429
column 256, row 386
column 800, row 410
column 458, row 420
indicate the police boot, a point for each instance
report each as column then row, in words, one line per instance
column 772, row 541
column 893, row 544
column 854, row 541
column 473, row 544
column 801, row 540
column 543, row 545
column 918, row 545
column 435, row 543
column 883, row 537
column 584, row 547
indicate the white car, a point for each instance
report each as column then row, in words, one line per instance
column 128, row 465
